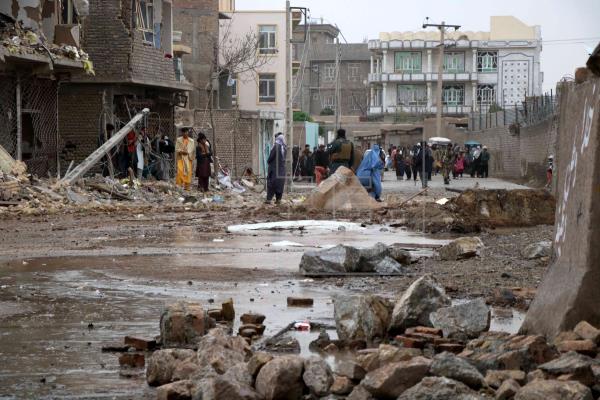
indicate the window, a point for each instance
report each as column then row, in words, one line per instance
column 329, row 39
column 266, row 39
column 145, row 20
column 266, row 88
column 234, row 87
column 486, row 94
column 329, row 101
column 453, row 95
column 354, row 72
column 454, row 62
column 412, row 95
column 329, row 72
column 68, row 14
column 357, row 101
column 407, row 61
column 487, row 61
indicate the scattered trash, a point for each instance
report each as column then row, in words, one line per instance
column 218, row 240
column 286, row 243
column 443, row 201
column 302, row 326
column 297, row 225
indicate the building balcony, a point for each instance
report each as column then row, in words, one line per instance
column 423, row 77
column 447, row 110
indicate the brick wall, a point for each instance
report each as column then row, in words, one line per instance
column 117, row 50
column 236, row 136
column 79, row 108
column 198, row 20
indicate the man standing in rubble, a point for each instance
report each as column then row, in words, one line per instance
column 341, row 152
column 185, row 152
column 321, row 164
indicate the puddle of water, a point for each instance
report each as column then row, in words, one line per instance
column 305, row 225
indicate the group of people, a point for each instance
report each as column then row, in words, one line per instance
column 142, row 156
column 324, row 161
column 434, row 159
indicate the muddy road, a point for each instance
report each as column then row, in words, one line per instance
column 72, row 283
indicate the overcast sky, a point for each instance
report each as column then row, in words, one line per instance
column 559, row 20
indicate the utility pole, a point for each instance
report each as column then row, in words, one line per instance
column 442, row 28
column 439, row 106
column 288, row 88
column 337, row 84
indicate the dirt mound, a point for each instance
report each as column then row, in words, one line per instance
column 506, row 208
column 341, row 191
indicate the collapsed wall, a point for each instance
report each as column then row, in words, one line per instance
column 569, row 292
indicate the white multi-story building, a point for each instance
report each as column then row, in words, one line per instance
column 263, row 88
column 499, row 67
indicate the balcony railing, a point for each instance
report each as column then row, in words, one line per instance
column 447, row 110
column 423, row 77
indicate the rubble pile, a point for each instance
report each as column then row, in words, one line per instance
column 452, row 357
column 27, row 195
column 18, row 40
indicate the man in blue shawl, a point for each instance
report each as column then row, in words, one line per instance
column 369, row 172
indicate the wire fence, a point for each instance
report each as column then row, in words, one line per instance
column 531, row 111
column 28, row 111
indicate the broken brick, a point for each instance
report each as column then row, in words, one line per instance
column 299, row 302
column 132, row 360
column 139, row 343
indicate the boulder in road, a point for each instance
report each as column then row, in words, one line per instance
column 281, row 378
column 439, row 388
column 461, row 248
column 422, row 297
column 391, row 380
column 361, row 317
column 317, row 376
column 462, row 321
column 336, row 260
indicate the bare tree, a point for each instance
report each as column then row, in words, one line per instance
column 233, row 56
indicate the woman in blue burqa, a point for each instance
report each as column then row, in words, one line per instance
column 369, row 172
column 276, row 172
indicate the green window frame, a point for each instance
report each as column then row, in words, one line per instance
column 411, row 95
column 453, row 95
column 487, row 61
column 454, row 62
column 407, row 61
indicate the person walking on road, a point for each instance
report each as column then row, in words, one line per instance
column 341, row 152
column 369, row 172
column 185, row 152
column 276, row 171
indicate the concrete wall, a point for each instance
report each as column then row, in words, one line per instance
column 569, row 292
column 198, row 20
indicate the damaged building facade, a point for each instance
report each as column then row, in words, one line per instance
column 131, row 45
column 39, row 52
column 57, row 99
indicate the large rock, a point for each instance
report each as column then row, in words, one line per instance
column 495, row 377
column 341, row 191
column 281, row 379
column 162, row 364
column 537, row 250
column 422, row 298
column 498, row 350
column 336, row 260
column 342, row 385
column 461, row 248
column 508, row 389
column 257, row 361
column 182, row 324
column 541, row 389
column 360, row 393
column 439, row 388
column 219, row 351
column 350, row 369
column 461, row 321
column 226, row 388
column 383, row 259
column 181, row 390
column 574, row 366
column 317, row 376
column 587, row 331
column 450, row 366
column 363, row 317
column 391, row 380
